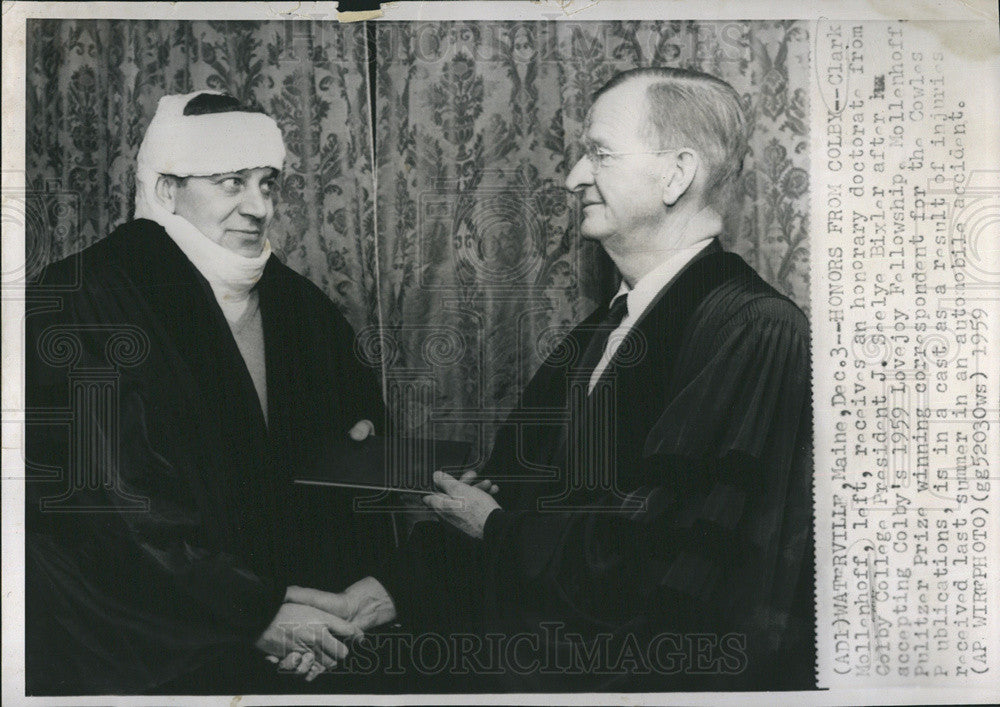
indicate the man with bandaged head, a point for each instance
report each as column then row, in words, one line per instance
column 166, row 539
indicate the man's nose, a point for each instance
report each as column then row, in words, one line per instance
column 581, row 175
column 255, row 203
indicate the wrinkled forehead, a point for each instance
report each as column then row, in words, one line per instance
column 618, row 113
column 261, row 173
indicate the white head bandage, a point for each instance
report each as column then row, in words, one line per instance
column 196, row 146
column 213, row 143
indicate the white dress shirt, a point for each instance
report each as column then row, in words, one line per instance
column 639, row 298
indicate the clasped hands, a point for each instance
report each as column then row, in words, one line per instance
column 311, row 629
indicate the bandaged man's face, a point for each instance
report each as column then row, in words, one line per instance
column 233, row 209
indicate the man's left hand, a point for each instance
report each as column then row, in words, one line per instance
column 362, row 430
column 464, row 506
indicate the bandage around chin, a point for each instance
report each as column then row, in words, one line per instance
column 214, row 143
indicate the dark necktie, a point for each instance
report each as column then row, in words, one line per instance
column 582, row 449
column 599, row 341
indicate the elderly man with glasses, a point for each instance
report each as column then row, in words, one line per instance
column 660, row 537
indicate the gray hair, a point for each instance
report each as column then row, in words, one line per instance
column 691, row 109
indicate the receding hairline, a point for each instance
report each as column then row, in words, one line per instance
column 652, row 75
column 647, row 79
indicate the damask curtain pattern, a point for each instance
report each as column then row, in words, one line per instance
column 93, row 86
column 482, row 267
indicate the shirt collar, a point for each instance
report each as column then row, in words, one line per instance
column 650, row 284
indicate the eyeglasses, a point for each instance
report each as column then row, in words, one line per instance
column 600, row 157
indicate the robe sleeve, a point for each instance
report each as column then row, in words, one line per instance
column 714, row 538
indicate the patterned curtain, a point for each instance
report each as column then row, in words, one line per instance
column 474, row 266
column 482, row 267
column 93, row 86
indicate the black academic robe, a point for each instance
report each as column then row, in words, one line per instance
column 162, row 523
column 680, row 557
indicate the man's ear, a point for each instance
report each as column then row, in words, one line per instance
column 166, row 192
column 680, row 175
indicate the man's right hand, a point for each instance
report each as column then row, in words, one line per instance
column 365, row 604
column 298, row 628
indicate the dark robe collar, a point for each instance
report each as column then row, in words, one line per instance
column 182, row 301
column 664, row 322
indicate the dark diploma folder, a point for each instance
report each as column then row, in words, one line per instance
column 404, row 464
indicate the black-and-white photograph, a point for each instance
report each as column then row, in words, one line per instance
column 448, row 356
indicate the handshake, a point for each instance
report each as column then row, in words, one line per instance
column 313, row 628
